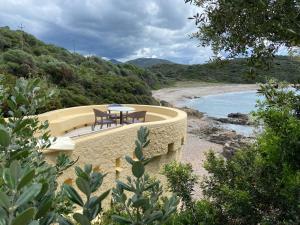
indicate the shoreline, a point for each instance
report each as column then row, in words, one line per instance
column 183, row 91
column 196, row 147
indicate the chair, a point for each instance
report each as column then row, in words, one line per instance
column 114, row 116
column 102, row 118
column 135, row 117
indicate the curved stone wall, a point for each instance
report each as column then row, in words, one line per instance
column 108, row 148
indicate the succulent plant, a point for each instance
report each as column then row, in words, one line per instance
column 145, row 204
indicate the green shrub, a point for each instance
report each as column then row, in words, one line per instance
column 181, row 181
column 19, row 62
column 203, row 213
column 261, row 185
column 142, row 206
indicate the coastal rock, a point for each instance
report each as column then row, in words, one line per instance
column 235, row 118
column 192, row 112
column 165, row 103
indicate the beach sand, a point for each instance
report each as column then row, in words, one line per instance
column 195, row 148
column 185, row 90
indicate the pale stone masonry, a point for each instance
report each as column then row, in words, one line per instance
column 107, row 149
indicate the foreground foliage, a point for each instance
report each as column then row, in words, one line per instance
column 29, row 192
column 144, row 206
column 261, row 185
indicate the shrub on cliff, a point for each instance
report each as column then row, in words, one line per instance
column 261, row 185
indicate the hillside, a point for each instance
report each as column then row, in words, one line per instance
column 148, row 62
column 80, row 80
column 231, row 71
column 114, row 61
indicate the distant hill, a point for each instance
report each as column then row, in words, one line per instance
column 148, row 62
column 230, row 71
column 114, row 61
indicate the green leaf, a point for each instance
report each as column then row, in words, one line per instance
column 121, row 219
column 88, row 168
column 29, row 194
column 8, row 178
column 26, row 179
column 80, row 173
column 138, row 169
column 103, row 196
column 25, row 217
column 43, row 191
column 44, row 208
column 156, row 215
column 15, row 170
column 63, row 221
column 83, row 186
column 124, row 186
column 129, row 159
column 4, row 137
column 4, row 200
column 81, row 219
column 138, row 152
column 34, row 223
column 73, row 195
column 141, row 202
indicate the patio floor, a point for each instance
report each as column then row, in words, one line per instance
column 88, row 130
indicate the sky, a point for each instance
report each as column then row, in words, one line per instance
column 118, row 29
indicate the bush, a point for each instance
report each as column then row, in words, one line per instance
column 181, row 181
column 145, row 205
column 203, row 213
column 19, row 62
column 261, row 185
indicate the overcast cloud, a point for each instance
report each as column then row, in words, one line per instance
column 119, row 29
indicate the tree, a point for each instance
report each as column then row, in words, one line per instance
column 256, row 27
column 261, row 184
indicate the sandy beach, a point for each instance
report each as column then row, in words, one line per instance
column 184, row 90
column 195, row 148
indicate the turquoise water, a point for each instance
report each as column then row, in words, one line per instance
column 222, row 104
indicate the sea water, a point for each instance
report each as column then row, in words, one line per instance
column 222, row 104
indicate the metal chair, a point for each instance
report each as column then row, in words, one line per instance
column 102, row 118
column 135, row 117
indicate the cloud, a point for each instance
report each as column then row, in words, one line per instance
column 119, row 29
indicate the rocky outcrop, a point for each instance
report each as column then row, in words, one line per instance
column 229, row 139
column 235, row 118
column 192, row 112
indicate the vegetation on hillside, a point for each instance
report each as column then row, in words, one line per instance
column 284, row 68
column 80, row 80
column 148, row 62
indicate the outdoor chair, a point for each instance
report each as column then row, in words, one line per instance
column 112, row 115
column 102, row 118
column 135, row 117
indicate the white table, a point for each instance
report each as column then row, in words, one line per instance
column 121, row 109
